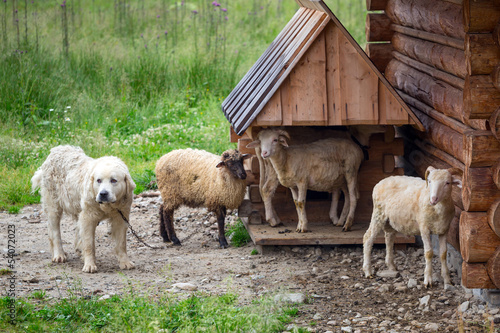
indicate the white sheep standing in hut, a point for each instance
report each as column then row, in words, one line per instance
column 197, row 178
column 413, row 206
column 325, row 165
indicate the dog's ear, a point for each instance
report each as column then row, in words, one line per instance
column 88, row 186
column 129, row 185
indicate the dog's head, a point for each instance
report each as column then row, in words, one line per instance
column 110, row 181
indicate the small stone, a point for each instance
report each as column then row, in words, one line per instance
column 387, row 274
column 345, row 277
column 424, row 301
column 346, row 329
column 359, row 286
column 464, row 306
column 104, row 297
column 317, row 316
column 412, row 283
column 184, row 286
column 384, row 288
column 290, row 298
column 332, row 323
column 432, row 327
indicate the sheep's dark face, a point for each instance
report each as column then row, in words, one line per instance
column 233, row 161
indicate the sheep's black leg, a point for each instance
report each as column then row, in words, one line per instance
column 167, row 226
column 163, row 231
column 221, row 216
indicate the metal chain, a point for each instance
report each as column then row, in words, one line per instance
column 137, row 236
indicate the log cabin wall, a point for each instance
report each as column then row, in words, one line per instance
column 443, row 57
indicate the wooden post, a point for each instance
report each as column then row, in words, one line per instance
column 481, row 53
column 378, row 27
column 480, row 15
column 481, row 97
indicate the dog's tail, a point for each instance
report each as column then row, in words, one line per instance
column 36, row 180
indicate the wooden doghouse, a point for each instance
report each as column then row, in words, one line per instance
column 443, row 57
column 315, row 74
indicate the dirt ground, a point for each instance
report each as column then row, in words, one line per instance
column 337, row 297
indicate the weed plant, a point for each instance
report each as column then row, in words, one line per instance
column 198, row 312
column 237, row 234
column 130, row 78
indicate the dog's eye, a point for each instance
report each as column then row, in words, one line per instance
column 99, row 181
column 113, row 181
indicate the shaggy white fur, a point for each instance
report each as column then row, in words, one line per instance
column 89, row 190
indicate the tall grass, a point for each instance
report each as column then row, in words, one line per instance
column 131, row 78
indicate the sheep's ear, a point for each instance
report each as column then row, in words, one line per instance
column 220, row 164
column 456, row 180
column 254, row 144
column 282, row 141
column 246, row 156
column 427, row 172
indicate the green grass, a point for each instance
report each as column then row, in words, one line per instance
column 141, row 313
column 135, row 79
column 237, row 234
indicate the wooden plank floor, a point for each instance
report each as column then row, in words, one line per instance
column 322, row 233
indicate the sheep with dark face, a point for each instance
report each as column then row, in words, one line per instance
column 197, row 178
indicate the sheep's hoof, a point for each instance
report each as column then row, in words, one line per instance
column 176, row 241
column 274, row 222
column 301, row 230
column 223, row 244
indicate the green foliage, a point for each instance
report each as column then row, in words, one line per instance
column 131, row 312
column 134, row 79
column 237, row 234
column 254, row 252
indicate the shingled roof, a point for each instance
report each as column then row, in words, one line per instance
column 257, row 87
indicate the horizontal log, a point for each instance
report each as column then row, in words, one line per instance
column 435, row 93
column 481, row 97
column 445, row 58
column 436, row 115
column 482, row 149
column 380, row 54
column 442, row 136
column 429, row 36
column 429, row 70
column 475, row 276
column 481, row 53
column 493, row 267
column 477, row 241
column 443, row 156
column 376, row 4
column 480, row 15
column 479, row 190
column 494, row 217
column 438, row 17
column 378, row 27
column 495, row 171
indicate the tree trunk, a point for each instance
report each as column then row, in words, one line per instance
column 438, row 17
column 440, row 95
column 481, row 97
column 479, row 190
column 481, row 15
column 476, row 276
column 481, row 53
column 477, row 241
column 378, row 27
column 380, row 54
column 446, row 58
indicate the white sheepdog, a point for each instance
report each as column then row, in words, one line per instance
column 90, row 190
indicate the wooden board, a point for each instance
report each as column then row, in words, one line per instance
column 322, row 233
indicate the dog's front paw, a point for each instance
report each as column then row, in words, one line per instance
column 59, row 258
column 89, row 268
column 127, row 265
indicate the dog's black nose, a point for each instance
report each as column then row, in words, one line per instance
column 103, row 194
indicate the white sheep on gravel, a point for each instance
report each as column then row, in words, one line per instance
column 413, row 206
column 197, row 178
column 326, row 165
